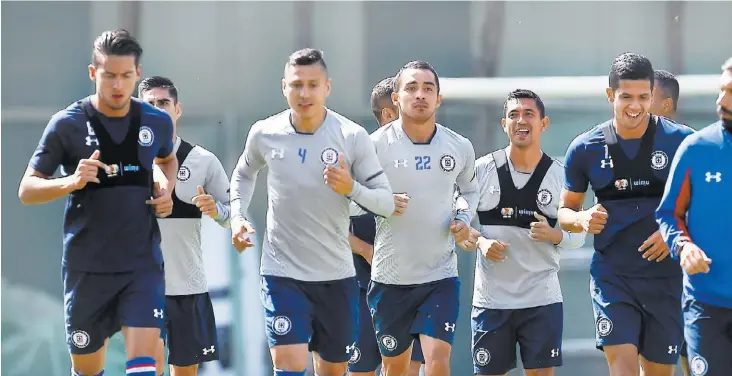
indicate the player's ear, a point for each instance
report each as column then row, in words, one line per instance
column 395, row 99
column 179, row 108
column 138, row 70
column 284, row 85
column 503, row 124
column 439, row 100
column 544, row 123
column 610, row 95
column 668, row 105
column 328, row 85
column 92, row 72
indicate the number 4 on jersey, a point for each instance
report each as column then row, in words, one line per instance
column 302, row 153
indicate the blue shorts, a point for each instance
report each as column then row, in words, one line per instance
column 366, row 356
column 640, row 311
column 190, row 330
column 321, row 314
column 402, row 313
column 98, row 305
column 708, row 334
column 537, row 330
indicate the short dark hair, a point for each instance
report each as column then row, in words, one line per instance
column 158, row 82
column 380, row 95
column 307, row 56
column 417, row 64
column 727, row 65
column 117, row 43
column 630, row 66
column 524, row 94
column 668, row 84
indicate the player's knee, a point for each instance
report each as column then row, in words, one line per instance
column 141, row 342
column 290, row 357
column 77, row 373
column 88, row 364
column 184, row 371
column 414, row 368
column 395, row 365
column 540, row 372
column 656, row 369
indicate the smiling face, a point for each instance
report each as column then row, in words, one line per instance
column 631, row 101
column 523, row 122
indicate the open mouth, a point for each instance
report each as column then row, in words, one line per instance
column 522, row 132
column 633, row 115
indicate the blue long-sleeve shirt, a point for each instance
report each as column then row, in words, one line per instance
column 695, row 207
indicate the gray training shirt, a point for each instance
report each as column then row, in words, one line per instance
column 307, row 222
column 418, row 247
column 528, row 276
column 181, row 232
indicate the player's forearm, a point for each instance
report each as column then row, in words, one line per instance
column 571, row 240
column 569, row 220
column 377, row 198
column 35, row 190
column 169, row 169
column 243, row 181
column 466, row 205
column 360, row 247
column 223, row 210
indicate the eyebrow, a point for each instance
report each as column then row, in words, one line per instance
column 414, row 82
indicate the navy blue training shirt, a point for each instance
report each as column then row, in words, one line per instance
column 108, row 227
column 628, row 177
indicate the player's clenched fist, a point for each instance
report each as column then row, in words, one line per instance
column 542, row 231
column 205, row 203
column 472, row 242
column 162, row 201
column 593, row 220
column 241, row 232
column 460, row 230
column 492, row 249
column 401, row 201
column 338, row 178
column 86, row 171
column 693, row 259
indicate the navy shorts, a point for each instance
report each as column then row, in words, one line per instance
column 708, row 334
column 98, row 305
column 321, row 314
column 640, row 311
column 537, row 330
column 366, row 356
column 190, row 330
column 402, row 313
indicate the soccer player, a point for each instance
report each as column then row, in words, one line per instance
column 318, row 160
column 517, row 296
column 665, row 98
column 366, row 357
column 112, row 267
column 635, row 287
column 414, row 288
column 202, row 189
column 664, row 103
column 698, row 188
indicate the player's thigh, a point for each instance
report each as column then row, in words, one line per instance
column 708, row 335
column 365, row 356
column 438, row 313
column 663, row 330
column 335, row 326
column 617, row 317
column 184, row 371
column 539, row 334
column 90, row 311
column 191, row 329
column 494, row 341
column 141, row 311
column 393, row 310
column 288, row 313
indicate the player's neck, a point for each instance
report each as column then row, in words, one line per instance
column 637, row 132
column 524, row 159
column 107, row 111
column 419, row 132
column 308, row 125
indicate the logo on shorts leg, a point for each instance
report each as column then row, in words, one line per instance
column 281, row 325
column 482, row 357
column 80, row 338
column 698, row 365
column 355, row 354
column 158, row 313
column 389, row 342
column 604, row 326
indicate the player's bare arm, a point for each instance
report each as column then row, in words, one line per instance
column 38, row 188
column 163, row 185
column 573, row 219
column 361, row 248
column 542, row 231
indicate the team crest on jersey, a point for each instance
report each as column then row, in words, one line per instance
column 604, row 326
column 507, row 212
column 698, row 365
column 329, row 156
column 621, row 184
column 544, row 197
column 355, row 356
column 80, row 338
column 146, row 136
column 184, row 173
column 659, row 160
column 281, row 325
column 447, row 163
column 482, row 357
column 389, row 342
